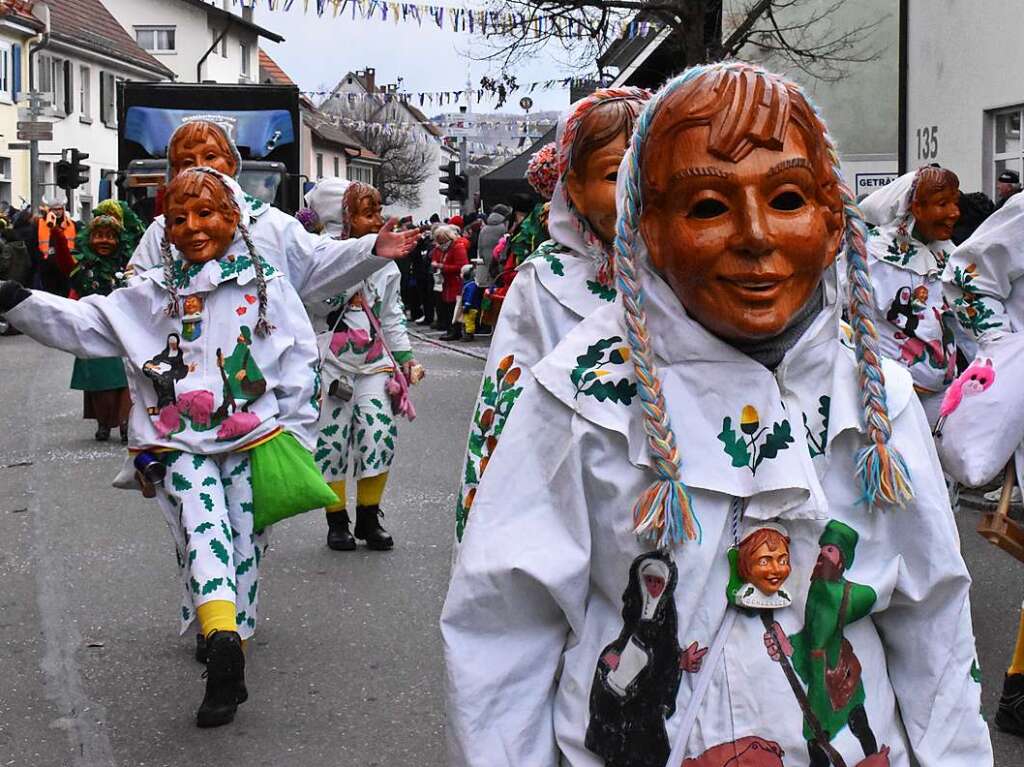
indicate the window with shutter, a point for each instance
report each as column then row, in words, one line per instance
column 16, row 72
column 68, row 95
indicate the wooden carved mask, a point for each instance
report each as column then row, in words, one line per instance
column 201, row 144
column 362, row 202
column 201, row 216
column 936, row 204
column 741, row 210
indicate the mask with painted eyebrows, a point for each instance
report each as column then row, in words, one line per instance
column 742, row 213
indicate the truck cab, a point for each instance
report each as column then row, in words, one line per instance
column 263, row 121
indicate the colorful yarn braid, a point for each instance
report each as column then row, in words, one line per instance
column 663, row 515
column 263, row 326
column 881, row 470
column 903, row 227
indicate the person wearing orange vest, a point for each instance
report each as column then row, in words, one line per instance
column 51, row 217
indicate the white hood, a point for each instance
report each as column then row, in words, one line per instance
column 326, row 200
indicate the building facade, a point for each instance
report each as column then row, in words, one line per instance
column 964, row 98
column 76, row 65
column 357, row 96
column 18, row 27
column 199, row 41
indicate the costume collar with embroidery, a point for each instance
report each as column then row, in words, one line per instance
column 884, row 244
column 742, row 429
column 236, row 264
column 572, row 279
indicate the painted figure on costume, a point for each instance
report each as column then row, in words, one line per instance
column 165, row 369
column 637, row 677
column 759, row 567
column 364, row 348
column 821, row 654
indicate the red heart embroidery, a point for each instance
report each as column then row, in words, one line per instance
column 250, row 299
column 241, row 310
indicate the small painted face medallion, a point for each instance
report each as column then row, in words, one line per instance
column 201, row 226
column 742, row 244
column 769, row 569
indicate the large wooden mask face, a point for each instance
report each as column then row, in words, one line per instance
column 364, row 209
column 201, row 217
column 740, row 215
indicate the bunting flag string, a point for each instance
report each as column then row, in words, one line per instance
column 455, row 95
column 517, row 128
column 458, row 19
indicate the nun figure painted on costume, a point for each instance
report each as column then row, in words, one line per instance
column 718, row 394
column 637, row 676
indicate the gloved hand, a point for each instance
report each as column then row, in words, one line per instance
column 11, row 294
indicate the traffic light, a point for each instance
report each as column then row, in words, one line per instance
column 71, row 174
column 454, row 186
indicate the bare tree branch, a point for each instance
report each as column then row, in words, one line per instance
column 803, row 33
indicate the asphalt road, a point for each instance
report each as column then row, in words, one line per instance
column 346, row 668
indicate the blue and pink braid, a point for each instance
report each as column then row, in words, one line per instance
column 664, row 514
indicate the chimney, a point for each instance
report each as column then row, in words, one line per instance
column 247, row 13
column 370, row 79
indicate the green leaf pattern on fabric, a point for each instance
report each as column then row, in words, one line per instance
column 755, row 443
column 972, row 312
column 592, row 375
column 498, row 395
column 817, row 437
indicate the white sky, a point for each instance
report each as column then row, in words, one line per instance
column 319, row 51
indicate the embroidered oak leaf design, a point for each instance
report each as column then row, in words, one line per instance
column 757, row 443
column 212, row 585
column 203, row 528
column 179, row 483
column 971, row 310
column 735, row 447
column 599, row 290
column 588, row 377
column 219, row 550
column 817, row 442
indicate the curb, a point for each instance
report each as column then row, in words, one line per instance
column 465, row 351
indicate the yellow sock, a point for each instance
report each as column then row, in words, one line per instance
column 369, row 490
column 1017, row 666
column 218, row 615
column 339, row 490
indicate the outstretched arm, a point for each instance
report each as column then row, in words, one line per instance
column 320, row 267
column 82, row 328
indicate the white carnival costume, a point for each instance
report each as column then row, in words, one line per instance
column 550, row 662
column 206, row 387
column 358, row 433
column 915, row 324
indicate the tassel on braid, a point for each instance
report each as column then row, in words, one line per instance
column 881, row 470
column 167, row 259
column 663, row 515
column 263, row 326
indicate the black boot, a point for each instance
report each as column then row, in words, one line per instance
column 454, row 333
column 102, row 433
column 225, row 679
column 338, row 536
column 369, row 530
column 1010, row 716
column 201, row 648
column 124, row 434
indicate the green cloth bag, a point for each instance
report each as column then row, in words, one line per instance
column 285, row 481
